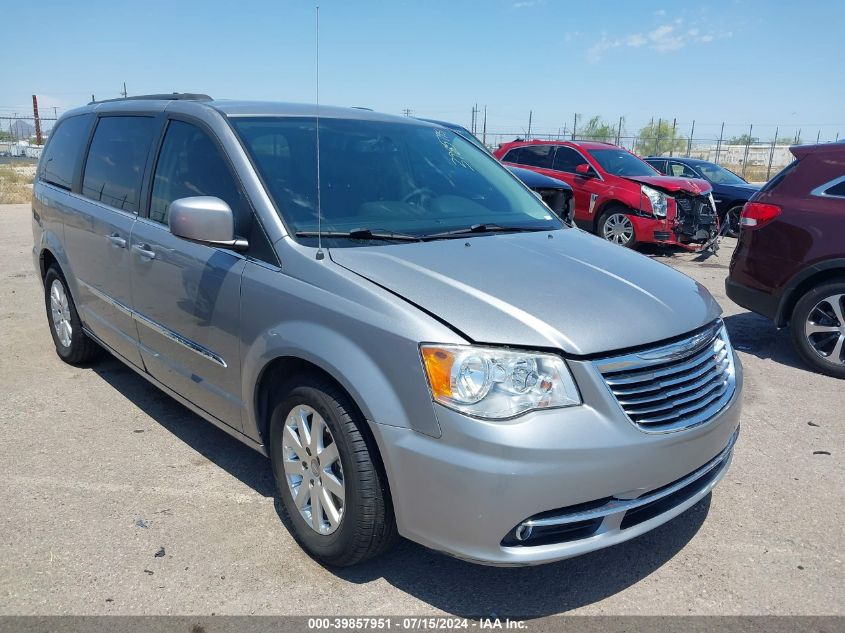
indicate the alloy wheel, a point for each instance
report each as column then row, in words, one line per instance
column 825, row 328
column 313, row 470
column 60, row 312
column 618, row 229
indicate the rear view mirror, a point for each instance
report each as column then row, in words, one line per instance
column 205, row 219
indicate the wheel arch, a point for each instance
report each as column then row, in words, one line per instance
column 604, row 206
column 803, row 281
column 279, row 371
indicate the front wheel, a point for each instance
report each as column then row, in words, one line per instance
column 818, row 328
column 334, row 492
column 732, row 220
column 616, row 226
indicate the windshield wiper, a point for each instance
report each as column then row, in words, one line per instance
column 484, row 228
column 364, row 234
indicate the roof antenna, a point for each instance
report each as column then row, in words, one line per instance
column 320, row 254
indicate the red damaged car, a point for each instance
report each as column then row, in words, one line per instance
column 621, row 197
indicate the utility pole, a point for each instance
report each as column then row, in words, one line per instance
column 39, row 140
column 484, row 132
column 689, row 142
column 92, row 98
column 619, row 131
column 818, row 136
column 407, row 112
column 124, row 90
column 530, row 117
column 574, row 125
column 657, row 137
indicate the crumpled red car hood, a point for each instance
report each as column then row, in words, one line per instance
column 695, row 186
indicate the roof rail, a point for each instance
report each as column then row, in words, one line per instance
column 170, row 96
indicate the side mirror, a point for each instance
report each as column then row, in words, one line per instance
column 206, row 220
column 584, row 170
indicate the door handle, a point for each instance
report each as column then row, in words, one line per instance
column 144, row 250
column 118, row 241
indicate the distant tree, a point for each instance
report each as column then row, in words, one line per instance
column 597, row 129
column 659, row 138
column 743, row 139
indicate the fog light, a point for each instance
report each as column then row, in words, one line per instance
column 523, row 532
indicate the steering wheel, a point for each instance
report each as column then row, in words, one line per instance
column 419, row 192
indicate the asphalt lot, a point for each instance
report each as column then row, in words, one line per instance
column 99, row 471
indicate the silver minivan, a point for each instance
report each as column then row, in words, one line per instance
column 418, row 344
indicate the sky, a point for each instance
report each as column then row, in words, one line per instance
column 741, row 62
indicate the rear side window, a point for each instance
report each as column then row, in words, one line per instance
column 66, row 144
column 512, row 156
column 536, row 156
column 114, row 169
column 567, row 159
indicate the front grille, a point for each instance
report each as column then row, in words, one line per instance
column 674, row 386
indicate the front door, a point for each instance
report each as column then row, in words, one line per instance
column 586, row 190
column 187, row 295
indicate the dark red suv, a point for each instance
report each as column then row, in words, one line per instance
column 789, row 264
column 621, row 197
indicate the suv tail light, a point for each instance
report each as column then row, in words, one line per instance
column 756, row 214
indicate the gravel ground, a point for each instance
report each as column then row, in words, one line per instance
column 117, row 500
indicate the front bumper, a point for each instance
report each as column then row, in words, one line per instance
column 467, row 492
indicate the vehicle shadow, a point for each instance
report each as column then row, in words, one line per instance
column 475, row 591
column 215, row 445
column 454, row 586
column 756, row 335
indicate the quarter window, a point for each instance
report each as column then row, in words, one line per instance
column 837, row 189
column 115, row 166
column 65, row 146
column 567, row 159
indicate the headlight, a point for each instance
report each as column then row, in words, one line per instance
column 493, row 383
column 657, row 199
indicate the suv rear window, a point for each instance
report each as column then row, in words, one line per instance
column 61, row 153
column 114, row 169
column 783, row 173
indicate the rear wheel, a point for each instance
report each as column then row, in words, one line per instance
column 616, row 226
column 818, row 328
column 334, row 492
column 72, row 344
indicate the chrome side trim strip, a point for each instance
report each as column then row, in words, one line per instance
column 156, row 326
column 623, row 505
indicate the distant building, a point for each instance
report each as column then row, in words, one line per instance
column 758, row 154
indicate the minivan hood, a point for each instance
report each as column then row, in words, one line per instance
column 571, row 291
column 695, row 186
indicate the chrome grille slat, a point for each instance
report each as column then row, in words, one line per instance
column 707, row 364
column 669, row 396
column 674, row 386
column 631, row 377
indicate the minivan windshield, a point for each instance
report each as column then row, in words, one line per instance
column 622, row 163
column 386, row 180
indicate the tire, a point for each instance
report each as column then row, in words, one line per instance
column 615, row 226
column 72, row 344
column 366, row 526
column 821, row 309
column 732, row 219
